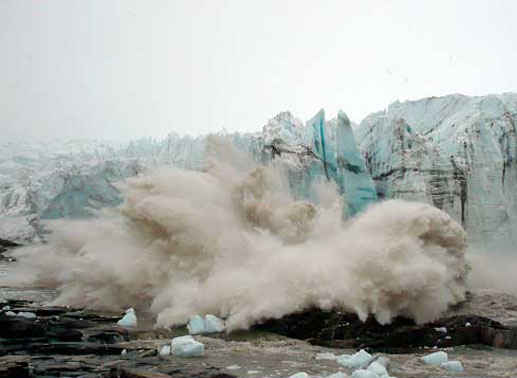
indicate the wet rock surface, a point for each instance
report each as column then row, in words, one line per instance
column 345, row 330
column 62, row 341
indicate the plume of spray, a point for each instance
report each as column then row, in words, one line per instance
column 231, row 240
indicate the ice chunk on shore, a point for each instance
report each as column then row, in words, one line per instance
column 165, row 350
column 301, row 374
column 378, row 369
column 186, row 346
column 436, row 358
column 452, row 366
column 27, row 315
column 363, row 373
column 129, row 320
column 359, row 360
column 210, row 324
column 196, row 325
column 213, row 324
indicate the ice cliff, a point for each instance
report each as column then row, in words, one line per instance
column 455, row 152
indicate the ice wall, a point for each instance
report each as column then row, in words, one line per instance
column 455, row 152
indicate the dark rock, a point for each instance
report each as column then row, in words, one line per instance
column 187, row 372
column 345, row 330
column 14, row 367
column 19, row 327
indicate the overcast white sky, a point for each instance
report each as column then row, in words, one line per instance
column 120, row 69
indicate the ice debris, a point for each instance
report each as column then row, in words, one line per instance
column 129, row 320
column 124, row 352
column 452, row 366
column 441, row 329
column 436, row 358
column 378, row 369
column 210, row 324
column 233, row 367
column 301, row 374
column 363, row 373
column 27, row 315
column 165, row 350
column 467, row 324
column 186, row 346
column 358, row 360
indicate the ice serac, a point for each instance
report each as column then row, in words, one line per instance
column 321, row 150
column 355, row 181
column 455, row 152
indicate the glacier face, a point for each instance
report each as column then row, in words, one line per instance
column 455, row 152
column 71, row 179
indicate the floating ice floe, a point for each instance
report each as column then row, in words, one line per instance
column 378, row 369
column 165, row 350
column 6, row 308
column 253, row 372
column 436, row 358
column 441, row 329
column 10, row 313
column 129, row 320
column 210, row 324
column 467, row 324
column 186, row 346
column 326, row 356
column 124, row 352
column 358, row 360
column 301, row 374
column 452, row 366
column 233, row 367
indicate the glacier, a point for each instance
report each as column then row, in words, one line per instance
column 455, row 152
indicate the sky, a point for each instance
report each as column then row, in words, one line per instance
column 122, row 69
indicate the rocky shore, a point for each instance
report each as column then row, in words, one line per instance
column 62, row 341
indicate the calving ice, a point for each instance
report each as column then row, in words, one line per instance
column 233, row 240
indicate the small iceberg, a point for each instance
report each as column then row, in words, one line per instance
column 301, row 374
column 379, row 370
column 363, row 373
column 27, row 315
column 165, row 350
column 359, row 360
column 436, row 358
column 129, row 320
column 452, row 366
column 209, row 324
column 186, row 346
